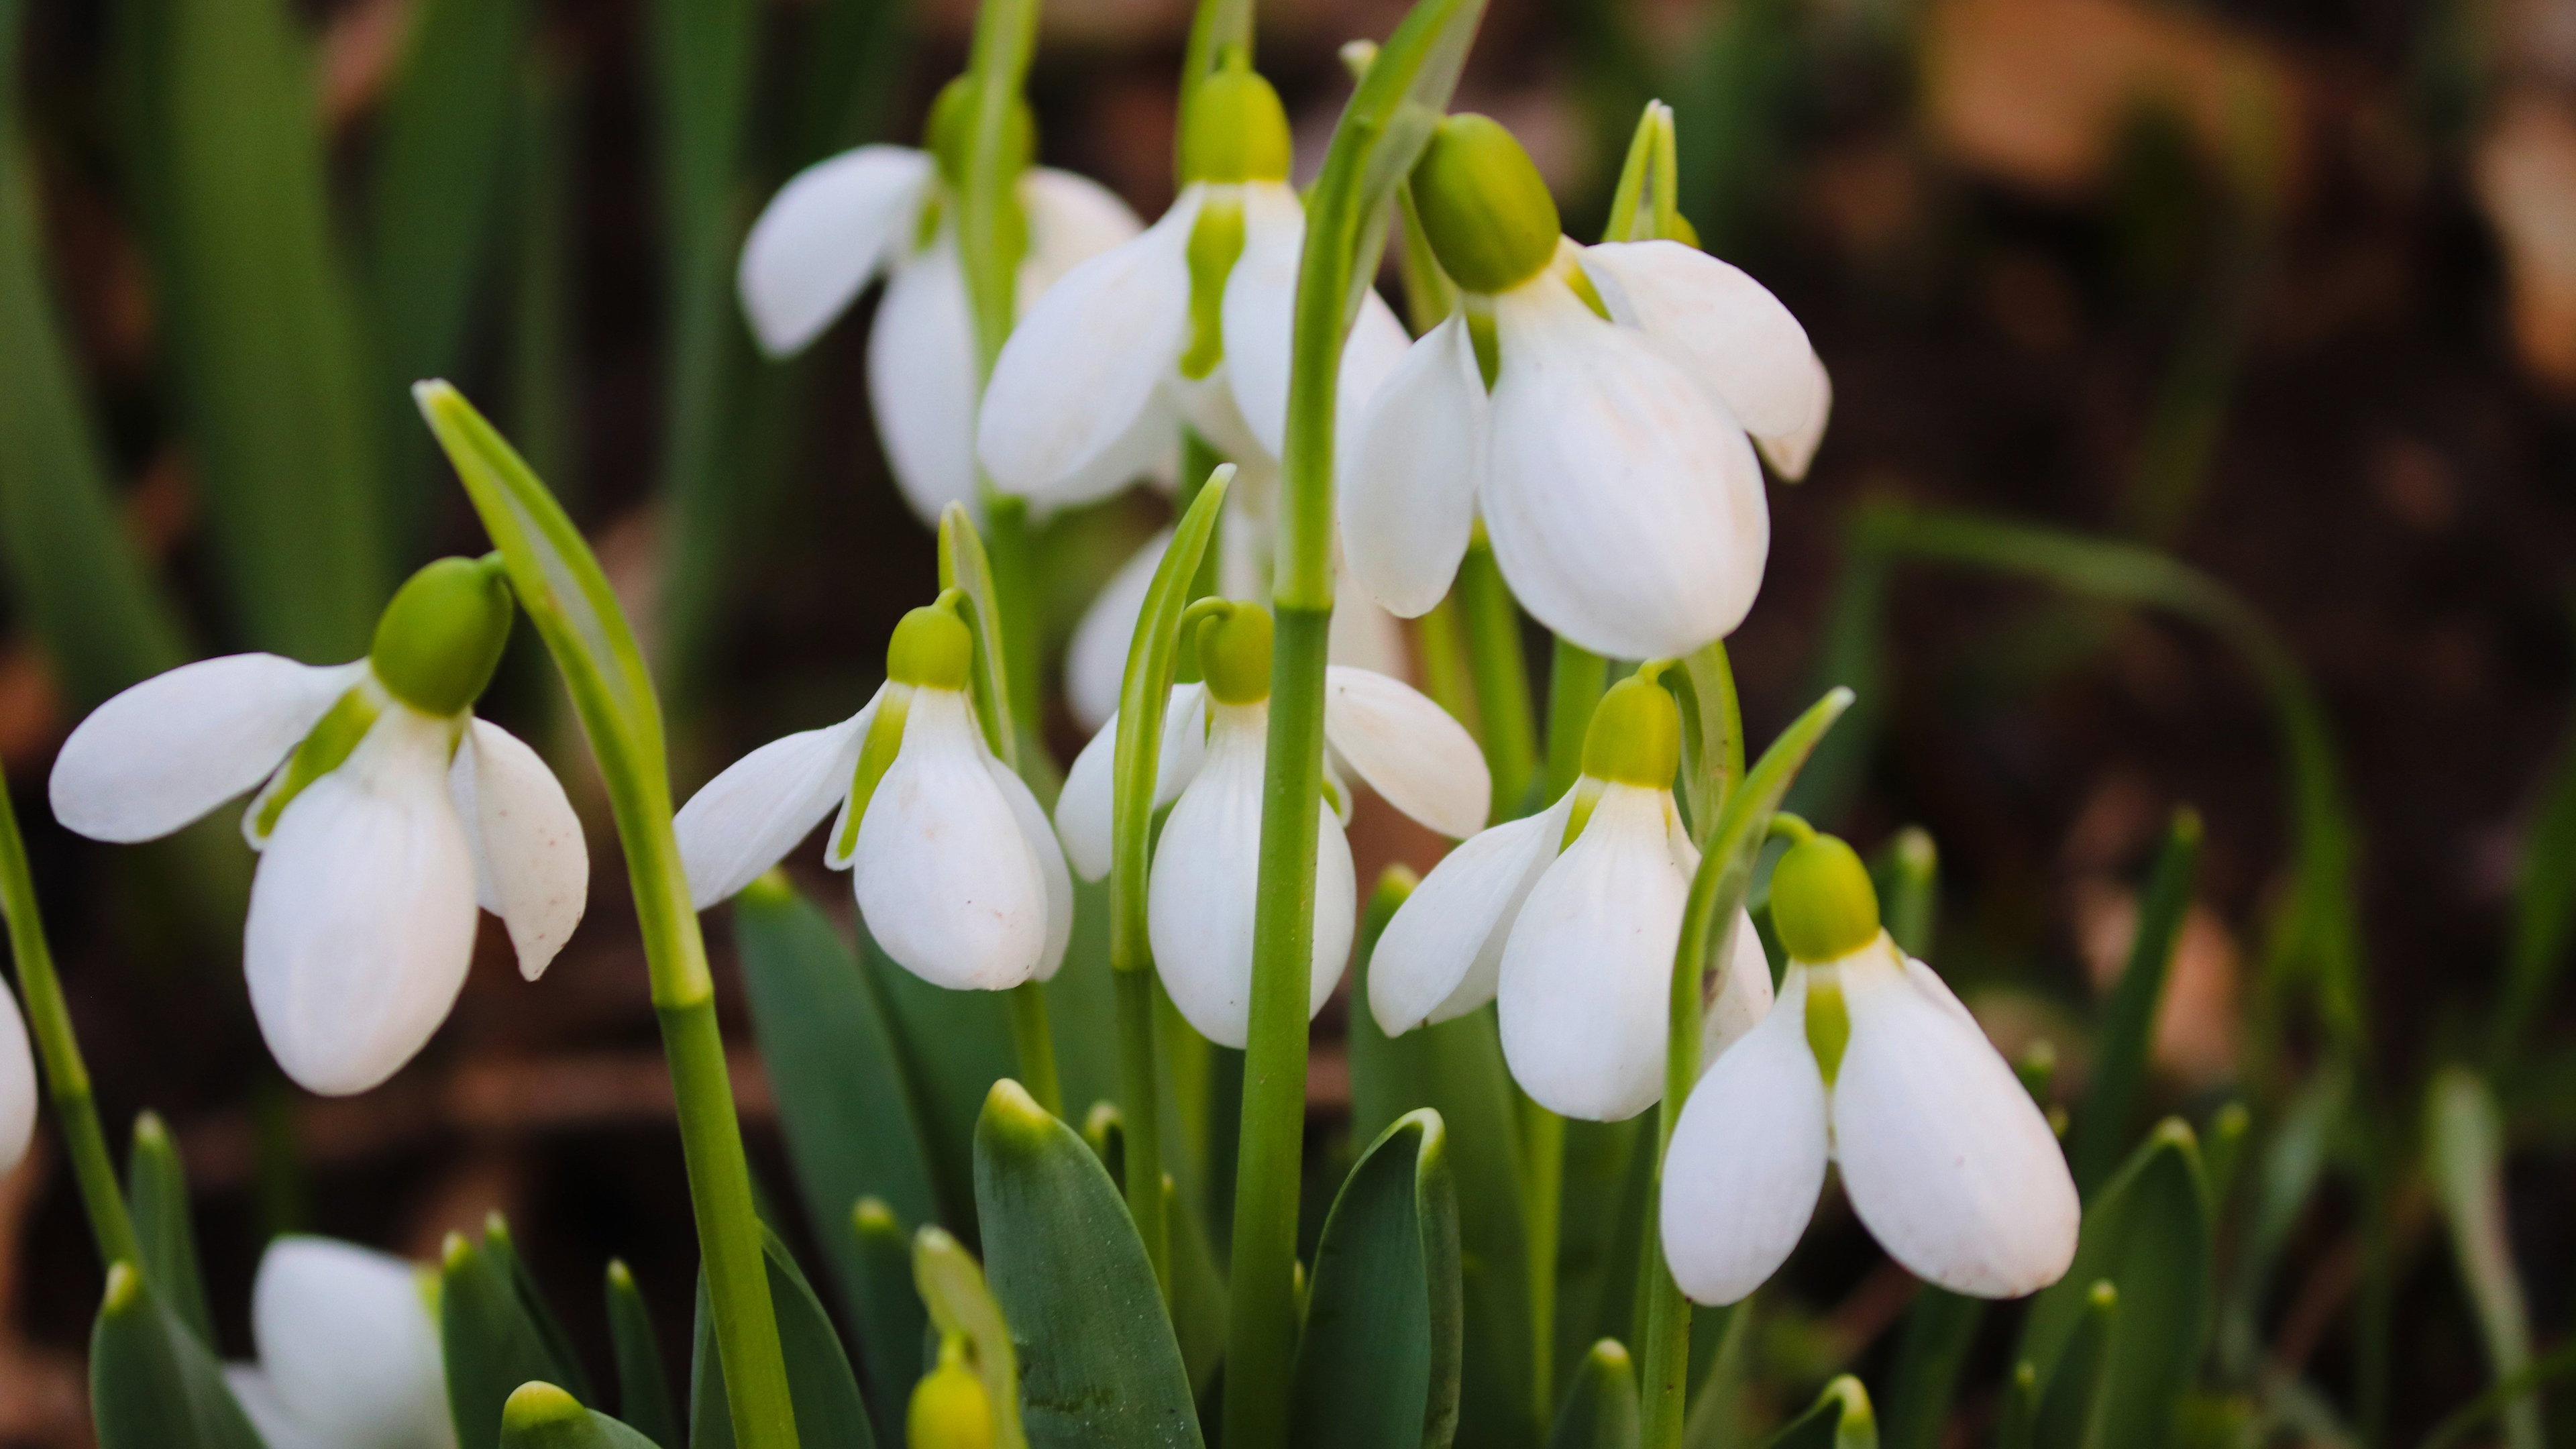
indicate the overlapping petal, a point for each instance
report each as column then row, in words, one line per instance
column 179, row 744
column 1072, row 219
column 348, row 1353
column 531, row 867
column 1735, row 335
column 951, row 886
column 1408, row 497
column 17, row 1085
column 1747, row 1158
column 921, row 380
column 1743, row 996
column 1408, row 749
column 1260, row 325
column 1084, row 808
column 1095, row 659
column 1945, row 1156
column 1623, row 503
column 746, row 819
column 822, row 236
column 1442, row 955
column 1040, row 836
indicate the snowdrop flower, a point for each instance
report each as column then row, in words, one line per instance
column 1870, row 1062
column 1595, row 406
column 891, row 210
column 1200, row 896
column 956, row 872
column 348, row 1351
column 17, row 1085
column 1191, row 321
column 1571, row 917
column 389, row 812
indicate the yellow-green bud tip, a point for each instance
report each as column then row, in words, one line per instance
column 872, row 1217
column 1009, row 1107
column 124, row 1288
column 620, row 1277
column 1484, row 205
column 949, row 134
column 1822, row 903
column 950, row 1409
column 1238, row 130
column 1610, row 1353
column 455, row 1251
column 148, row 1127
column 931, row 649
column 2104, row 1295
column 1636, row 735
column 1234, row 654
column 536, row 1404
column 440, row 639
column 770, row 888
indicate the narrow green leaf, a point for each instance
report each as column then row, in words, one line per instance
column 1602, row 1201
column 843, row 1102
column 1099, row 1362
column 886, row 1315
column 1908, row 875
column 1940, row 1328
column 964, row 566
column 492, row 1342
column 955, row 1045
column 1456, row 1068
column 2127, row 1038
column 541, row 366
column 1840, row 1419
column 643, row 1389
column 2068, row 1411
column 2544, row 906
column 542, row 1416
column 2286, row 1175
column 75, row 574
column 157, row 1188
column 532, row 1302
column 831, row 1413
column 960, row 1302
column 1600, row 1409
column 2147, row 1233
column 263, row 331
column 1712, row 733
column 153, row 1384
column 1378, row 1362
column 1198, row 1292
column 2464, row 1150
column 853, row 54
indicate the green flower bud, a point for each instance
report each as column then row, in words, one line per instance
column 931, row 649
column 949, row 134
column 1237, row 129
column 1484, row 205
column 1234, row 654
column 949, row 1409
column 1822, row 903
column 440, row 639
column 1636, row 735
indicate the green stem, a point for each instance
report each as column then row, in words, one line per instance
column 1262, row 1319
column 1444, row 666
column 49, row 1021
column 1501, row 673
column 1036, row 1045
column 1575, row 679
column 1142, row 1109
column 1543, row 1218
column 1006, row 530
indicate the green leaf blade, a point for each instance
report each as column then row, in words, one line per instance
column 1378, row 1362
column 153, row 1383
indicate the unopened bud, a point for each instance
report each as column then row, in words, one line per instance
column 950, row 1409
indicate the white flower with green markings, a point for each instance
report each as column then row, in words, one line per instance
column 1596, row 408
column 389, row 811
column 349, row 1353
column 892, row 211
column 1868, row 1061
column 957, row 874
column 1568, row 919
column 1205, row 879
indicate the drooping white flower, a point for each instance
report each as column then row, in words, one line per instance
column 891, row 211
column 1203, row 888
column 389, row 812
column 1596, row 407
column 1870, row 1062
column 1571, row 918
column 1190, row 321
column 957, row 874
column 17, row 1085
column 349, row 1353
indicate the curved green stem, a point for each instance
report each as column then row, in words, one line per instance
column 49, row 1021
column 1501, row 673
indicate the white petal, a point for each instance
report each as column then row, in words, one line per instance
column 1945, row 1156
column 1408, row 498
column 1365, row 636
column 946, row 877
column 1085, row 361
column 1443, row 953
column 1199, row 906
column 1408, row 749
column 1040, row 836
column 1743, row 996
column 1587, row 974
column 1208, row 405
column 1790, row 453
column 1083, row 808
column 1624, row 505
column 268, row 1414
column 1734, row 334
column 745, row 820
column 531, row 866
column 347, row 1345
column 362, row 912
column 921, row 380
column 179, row 744
column 822, row 236
column 1260, row 309
column 1095, row 661
column 17, row 1085
column 1747, row 1159
column 1377, row 346
column 1071, row 220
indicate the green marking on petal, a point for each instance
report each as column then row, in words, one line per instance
column 324, row 750
column 876, row 756
column 1587, row 794
column 1828, row 1021
column 1482, row 337
column 1216, row 243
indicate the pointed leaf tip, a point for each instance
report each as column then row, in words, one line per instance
column 455, row 1251
column 124, row 1289
column 535, row 1404
column 1009, row 1106
column 771, row 889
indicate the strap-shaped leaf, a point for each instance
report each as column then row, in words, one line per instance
column 157, row 1188
column 1600, row 1410
column 543, row 1416
column 2464, row 1148
column 831, row 1413
column 964, row 566
column 1712, row 734
column 1099, row 1364
column 2147, row 1233
column 954, row 1045
column 2129, row 1019
column 1378, row 1362
column 643, row 1388
column 2066, row 1412
column 962, row 1303
column 492, row 1339
column 1940, row 1328
column 1839, row 1419
column 886, row 1315
column 153, row 1384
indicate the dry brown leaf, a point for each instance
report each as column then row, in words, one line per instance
column 2526, row 180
